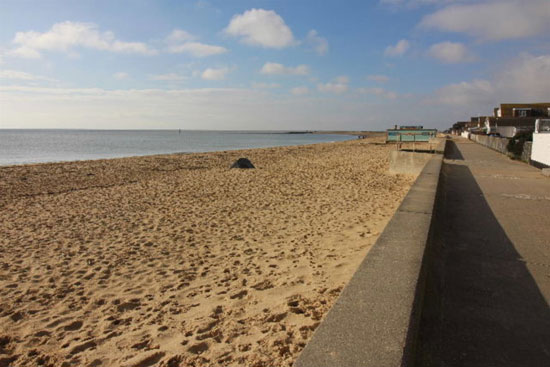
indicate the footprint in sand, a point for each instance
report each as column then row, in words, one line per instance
column 199, row 348
column 145, row 360
column 82, row 347
column 73, row 326
column 239, row 295
column 127, row 306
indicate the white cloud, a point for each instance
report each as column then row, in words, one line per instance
column 21, row 75
column 25, row 52
column 179, row 35
column 273, row 68
column 381, row 92
column 197, row 49
column 450, row 52
column 525, row 79
column 180, row 41
column 398, row 50
column 171, row 77
column 317, row 43
column 465, row 93
column 493, row 20
column 214, row 74
column 209, row 108
column 378, row 78
column 415, row 3
column 136, row 108
column 131, row 47
column 120, row 75
column 259, row 27
column 260, row 85
column 299, row 91
column 338, row 85
column 67, row 35
column 205, row 108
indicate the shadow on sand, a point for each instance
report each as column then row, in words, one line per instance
column 482, row 307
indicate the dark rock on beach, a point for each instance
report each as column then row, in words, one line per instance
column 242, row 163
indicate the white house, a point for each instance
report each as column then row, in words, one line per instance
column 509, row 127
column 540, row 151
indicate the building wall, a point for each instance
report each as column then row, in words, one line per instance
column 506, row 109
column 541, row 148
column 505, row 131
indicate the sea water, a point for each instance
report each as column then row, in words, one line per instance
column 36, row 146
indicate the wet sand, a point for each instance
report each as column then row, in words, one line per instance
column 176, row 260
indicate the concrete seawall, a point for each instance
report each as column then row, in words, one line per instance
column 410, row 163
column 459, row 277
column 413, row 162
column 375, row 320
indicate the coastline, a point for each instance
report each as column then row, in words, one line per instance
column 178, row 258
column 20, row 147
column 371, row 134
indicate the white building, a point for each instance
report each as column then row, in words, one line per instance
column 508, row 127
column 540, row 151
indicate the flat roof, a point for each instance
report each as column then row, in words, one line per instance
column 412, row 130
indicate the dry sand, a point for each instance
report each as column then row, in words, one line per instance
column 177, row 260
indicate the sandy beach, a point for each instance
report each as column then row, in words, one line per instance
column 177, row 260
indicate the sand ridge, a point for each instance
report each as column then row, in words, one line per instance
column 177, row 260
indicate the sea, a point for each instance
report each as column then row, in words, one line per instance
column 39, row 146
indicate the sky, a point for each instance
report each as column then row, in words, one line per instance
column 268, row 65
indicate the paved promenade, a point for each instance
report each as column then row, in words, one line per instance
column 488, row 291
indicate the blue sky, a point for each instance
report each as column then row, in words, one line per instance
column 268, row 64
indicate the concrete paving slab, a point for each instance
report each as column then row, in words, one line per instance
column 488, row 288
